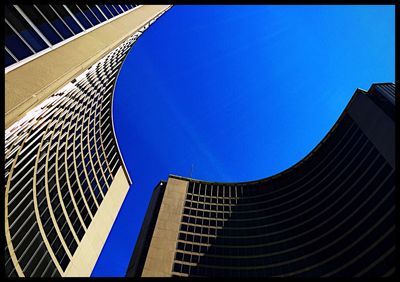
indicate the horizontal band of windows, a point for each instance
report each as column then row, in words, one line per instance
column 269, row 197
column 207, row 216
column 306, row 227
column 256, row 216
column 226, row 265
column 251, row 186
column 234, row 253
column 49, row 26
column 271, row 218
column 380, row 216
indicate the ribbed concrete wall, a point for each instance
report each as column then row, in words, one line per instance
column 65, row 177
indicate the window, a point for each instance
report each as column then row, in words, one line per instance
column 55, row 20
column 177, row 267
column 42, row 24
column 68, row 19
column 89, row 14
column 118, row 8
column 8, row 59
column 123, row 7
column 112, row 10
column 98, row 14
column 107, row 12
column 178, row 256
column 80, row 16
column 19, row 25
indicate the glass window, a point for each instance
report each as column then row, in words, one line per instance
column 41, row 23
column 104, row 9
column 179, row 256
column 81, row 18
column 67, row 18
column 112, row 9
column 118, row 8
column 177, row 267
column 15, row 44
column 98, row 14
column 125, row 7
column 89, row 14
column 8, row 59
column 55, row 20
column 185, row 268
column 24, row 29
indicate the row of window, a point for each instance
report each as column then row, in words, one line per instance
column 73, row 129
column 211, row 194
column 30, row 29
column 341, row 223
column 359, row 253
column 341, row 230
column 238, row 213
column 207, row 213
column 330, row 214
column 266, row 190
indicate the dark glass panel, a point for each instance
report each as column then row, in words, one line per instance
column 105, row 11
column 24, row 29
column 118, row 8
column 8, row 60
column 112, row 9
column 124, row 8
column 89, row 14
column 98, row 14
column 67, row 18
column 55, row 20
column 41, row 23
column 78, row 14
column 30, row 254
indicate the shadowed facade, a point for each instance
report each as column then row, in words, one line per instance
column 331, row 214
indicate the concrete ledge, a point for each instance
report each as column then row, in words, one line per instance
column 31, row 83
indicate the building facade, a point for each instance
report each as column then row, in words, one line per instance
column 65, row 179
column 32, row 29
column 331, row 214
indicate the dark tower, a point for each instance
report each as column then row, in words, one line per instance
column 331, row 214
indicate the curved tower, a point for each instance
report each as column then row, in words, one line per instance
column 65, row 179
column 331, row 214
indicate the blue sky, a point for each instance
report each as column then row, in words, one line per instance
column 239, row 92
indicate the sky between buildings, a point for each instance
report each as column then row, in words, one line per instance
column 238, row 93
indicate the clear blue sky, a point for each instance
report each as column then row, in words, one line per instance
column 240, row 92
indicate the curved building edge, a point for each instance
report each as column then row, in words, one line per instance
column 33, row 253
column 330, row 214
column 138, row 33
column 387, row 89
column 26, row 87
